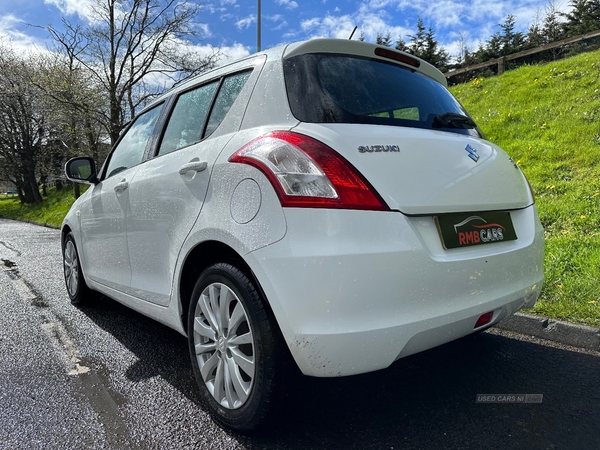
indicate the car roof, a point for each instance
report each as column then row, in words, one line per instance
column 367, row 50
column 339, row 46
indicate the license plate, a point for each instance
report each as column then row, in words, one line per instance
column 464, row 230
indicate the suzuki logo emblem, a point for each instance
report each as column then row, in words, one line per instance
column 472, row 153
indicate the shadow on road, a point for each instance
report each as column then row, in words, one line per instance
column 423, row 401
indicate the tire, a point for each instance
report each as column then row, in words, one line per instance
column 238, row 356
column 79, row 292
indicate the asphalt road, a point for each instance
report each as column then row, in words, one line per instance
column 105, row 377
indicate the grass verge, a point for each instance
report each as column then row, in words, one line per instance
column 50, row 212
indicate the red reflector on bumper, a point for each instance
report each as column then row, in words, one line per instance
column 485, row 318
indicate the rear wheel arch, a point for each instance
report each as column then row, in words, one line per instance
column 200, row 258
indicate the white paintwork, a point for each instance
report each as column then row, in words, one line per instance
column 164, row 206
column 103, row 215
column 352, row 291
column 353, row 288
column 245, row 201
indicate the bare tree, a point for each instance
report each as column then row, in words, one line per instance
column 129, row 41
column 552, row 28
column 22, row 124
column 75, row 114
column 462, row 58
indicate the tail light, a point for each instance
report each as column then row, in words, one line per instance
column 307, row 173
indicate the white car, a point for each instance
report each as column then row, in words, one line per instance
column 326, row 204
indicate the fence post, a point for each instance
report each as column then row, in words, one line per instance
column 501, row 65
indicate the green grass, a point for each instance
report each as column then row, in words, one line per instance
column 50, row 212
column 548, row 119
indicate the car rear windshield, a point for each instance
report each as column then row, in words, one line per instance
column 331, row 88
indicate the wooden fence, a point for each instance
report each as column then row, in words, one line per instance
column 501, row 62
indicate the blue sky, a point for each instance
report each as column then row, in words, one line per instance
column 231, row 24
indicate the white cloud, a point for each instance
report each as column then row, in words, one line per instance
column 204, row 29
column 228, row 53
column 246, row 22
column 210, row 8
column 370, row 22
column 274, row 17
column 308, row 25
column 232, row 53
column 82, row 8
column 10, row 33
column 281, row 26
column 279, row 22
column 289, row 4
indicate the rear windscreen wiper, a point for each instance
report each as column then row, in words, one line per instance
column 453, row 120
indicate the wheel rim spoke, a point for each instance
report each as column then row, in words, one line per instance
column 205, row 348
column 71, row 268
column 207, row 368
column 204, row 330
column 241, row 387
column 245, row 362
column 230, row 393
column 237, row 317
column 243, row 339
column 219, row 382
column 73, row 283
column 205, row 305
column 225, row 299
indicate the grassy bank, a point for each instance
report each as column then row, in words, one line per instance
column 548, row 119
column 49, row 213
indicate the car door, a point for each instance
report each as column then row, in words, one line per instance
column 168, row 191
column 103, row 215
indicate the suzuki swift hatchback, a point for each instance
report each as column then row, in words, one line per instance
column 325, row 204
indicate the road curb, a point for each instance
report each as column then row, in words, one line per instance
column 554, row 330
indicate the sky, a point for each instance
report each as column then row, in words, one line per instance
column 230, row 25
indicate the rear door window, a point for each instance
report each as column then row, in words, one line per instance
column 229, row 91
column 188, row 118
column 192, row 118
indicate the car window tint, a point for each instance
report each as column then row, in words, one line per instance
column 188, row 118
column 130, row 150
column 329, row 88
column 227, row 94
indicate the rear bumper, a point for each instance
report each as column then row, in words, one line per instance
column 354, row 291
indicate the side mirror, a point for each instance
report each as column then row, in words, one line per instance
column 81, row 170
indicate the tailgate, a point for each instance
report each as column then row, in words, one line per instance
column 423, row 172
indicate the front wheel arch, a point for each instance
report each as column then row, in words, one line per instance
column 77, row 288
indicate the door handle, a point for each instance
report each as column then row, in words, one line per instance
column 194, row 166
column 120, row 187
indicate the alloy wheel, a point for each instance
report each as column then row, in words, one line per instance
column 71, row 266
column 224, row 345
